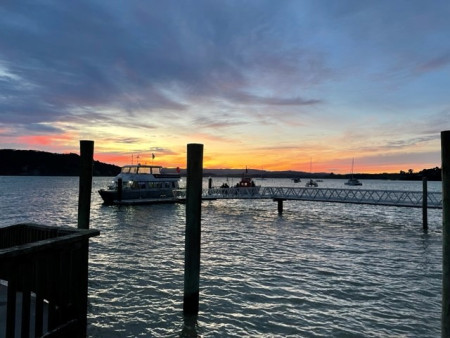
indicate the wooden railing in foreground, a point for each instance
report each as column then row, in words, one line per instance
column 45, row 272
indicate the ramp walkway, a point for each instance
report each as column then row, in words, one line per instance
column 357, row 196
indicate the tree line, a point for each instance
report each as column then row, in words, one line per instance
column 40, row 163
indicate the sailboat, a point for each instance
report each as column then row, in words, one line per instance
column 353, row 180
column 311, row 183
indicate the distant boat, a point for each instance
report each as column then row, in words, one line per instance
column 296, row 180
column 353, row 180
column 246, row 181
column 261, row 177
column 311, row 183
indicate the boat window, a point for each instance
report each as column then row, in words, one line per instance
column 144, row 170
column 133, row 170
column 125, row 170
column 156, row 171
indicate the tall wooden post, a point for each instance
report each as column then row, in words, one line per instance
column 280, row 206
column 445, row 153
column 84, row 197
column 425, row 204
column 193, row 228
column 119, row 189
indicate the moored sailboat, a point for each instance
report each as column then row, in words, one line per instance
column 353, row 180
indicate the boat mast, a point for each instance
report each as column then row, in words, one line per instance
column 353, row 162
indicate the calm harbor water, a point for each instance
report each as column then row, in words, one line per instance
column 319, row 270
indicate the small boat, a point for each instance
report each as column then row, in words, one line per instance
column 311, row 183
column 296, row 180
column 245, row 182
column 141, row 182
column 353, row 180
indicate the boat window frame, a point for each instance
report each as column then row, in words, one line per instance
column 144, row 170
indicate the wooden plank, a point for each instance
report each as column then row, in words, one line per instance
column 11, row 307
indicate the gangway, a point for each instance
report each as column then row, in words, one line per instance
column 400, row 198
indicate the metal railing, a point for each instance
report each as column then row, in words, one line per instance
column 357, row 196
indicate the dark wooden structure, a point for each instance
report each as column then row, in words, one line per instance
column 45, row 272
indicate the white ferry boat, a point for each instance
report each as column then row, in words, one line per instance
column 141, row 183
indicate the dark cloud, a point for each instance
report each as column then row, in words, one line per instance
column 218, row 122
column 272, row 101
column 121, row 55
column 47, row 129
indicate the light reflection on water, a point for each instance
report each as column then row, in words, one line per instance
column 319, row 270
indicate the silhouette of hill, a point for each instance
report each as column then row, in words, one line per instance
column 40, row 163
column 433, row 174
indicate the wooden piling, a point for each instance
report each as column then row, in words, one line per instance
column 280, row 206
column 84, row 197
column 119, row 189
column 445, row 154
column 425, row 204
column 210, row 183
column 193, row 228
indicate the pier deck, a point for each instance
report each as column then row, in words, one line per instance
column 357, row 196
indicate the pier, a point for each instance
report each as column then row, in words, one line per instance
column 397, row 198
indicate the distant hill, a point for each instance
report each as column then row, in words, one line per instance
column 433, row 174
column 256, row 173
column 40, row 163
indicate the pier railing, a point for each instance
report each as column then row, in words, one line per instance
column 357, row 196
column 44, row 271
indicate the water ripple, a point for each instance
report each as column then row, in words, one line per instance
column 319, row 270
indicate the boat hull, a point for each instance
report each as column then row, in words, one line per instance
column 112, row 196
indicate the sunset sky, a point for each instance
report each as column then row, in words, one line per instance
column 267, row 84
